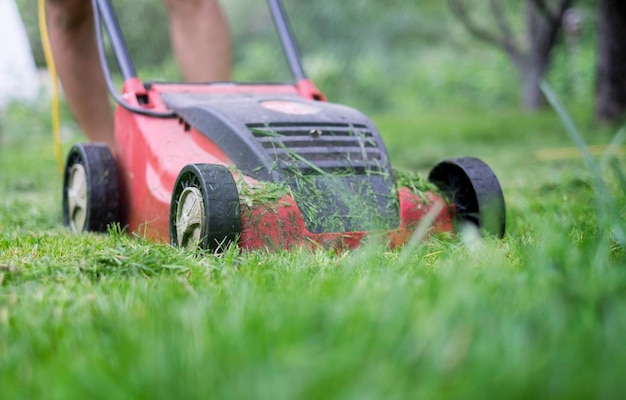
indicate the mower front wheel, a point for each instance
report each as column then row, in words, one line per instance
column 91, row 197
column 474, row 190
column 204, row 212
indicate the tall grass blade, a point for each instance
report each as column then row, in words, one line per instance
column 608, row 214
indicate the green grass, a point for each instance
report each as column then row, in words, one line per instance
column 540, row 314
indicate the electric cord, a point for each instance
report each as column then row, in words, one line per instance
column 56, row 113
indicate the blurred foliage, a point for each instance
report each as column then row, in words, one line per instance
column 373, row 55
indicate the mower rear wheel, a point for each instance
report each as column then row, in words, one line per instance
column 474, row 190
column 91, row 199
column 204, row 212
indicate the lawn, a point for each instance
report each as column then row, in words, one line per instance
column 539, row 314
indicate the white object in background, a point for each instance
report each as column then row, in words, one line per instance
column 18, row 74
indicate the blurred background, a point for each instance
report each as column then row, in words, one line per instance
column 378, row 55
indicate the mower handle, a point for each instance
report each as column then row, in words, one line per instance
column 287, row 39
column 104, row 10
column 104, row 13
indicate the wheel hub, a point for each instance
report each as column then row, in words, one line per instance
column 190, row 218
column 77, row 197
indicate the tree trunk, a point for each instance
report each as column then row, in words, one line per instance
column 543, row 22
column 543, row 30
column 534, row 64
column 532, row 97
column 611, row 69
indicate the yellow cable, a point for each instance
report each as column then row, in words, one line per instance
column 56, row 114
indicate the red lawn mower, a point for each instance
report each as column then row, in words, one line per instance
column 195, row 163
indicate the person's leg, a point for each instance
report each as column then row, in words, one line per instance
column 72, row 37
column 201, row 39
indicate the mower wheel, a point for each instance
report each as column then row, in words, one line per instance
column 474, row 190
column 91, row 198
column 204, row 212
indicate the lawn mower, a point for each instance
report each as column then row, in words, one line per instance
column 261, row 165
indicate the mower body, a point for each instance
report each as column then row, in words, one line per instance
column 264, row 165
column 331, row 158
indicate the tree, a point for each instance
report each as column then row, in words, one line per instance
column 611, row 69
column 543, row 23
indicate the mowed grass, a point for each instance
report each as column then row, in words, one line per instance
column 540, row 314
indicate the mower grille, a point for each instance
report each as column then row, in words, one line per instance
column 317, row 148
column 334, row 161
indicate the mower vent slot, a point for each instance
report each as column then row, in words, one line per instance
column 327, row 154
column 312, row 148
column 328, row 167
column 329, row 142
column 302, row 124
column 259, row 133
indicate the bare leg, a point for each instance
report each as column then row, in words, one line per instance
column 201, row 39
column 72, row 37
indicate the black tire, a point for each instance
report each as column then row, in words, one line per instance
column 204, row 212
column 474, row 190
column 91, row 197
